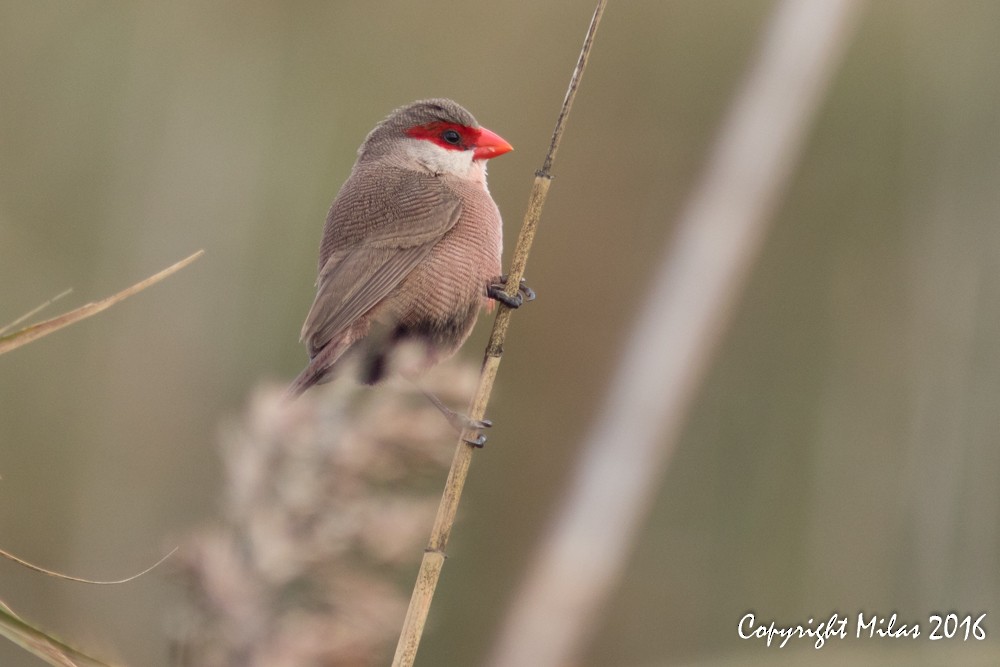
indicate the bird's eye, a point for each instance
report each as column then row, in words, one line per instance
column 452, row 137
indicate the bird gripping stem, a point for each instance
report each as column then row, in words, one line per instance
column 434, row 555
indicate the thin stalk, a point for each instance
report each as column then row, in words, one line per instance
column 434, row 555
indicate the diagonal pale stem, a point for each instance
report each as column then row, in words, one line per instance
column 434, row 555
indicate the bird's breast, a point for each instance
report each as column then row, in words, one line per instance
column 450, row 284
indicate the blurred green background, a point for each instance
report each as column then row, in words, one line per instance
column 842, row 456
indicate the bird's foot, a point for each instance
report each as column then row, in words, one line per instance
column 478, row 442
column 462, row 423
column 496, row 291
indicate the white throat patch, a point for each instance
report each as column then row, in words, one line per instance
column 441, row 160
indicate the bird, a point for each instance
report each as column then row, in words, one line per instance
column 411, row 249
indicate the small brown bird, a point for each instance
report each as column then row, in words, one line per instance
column 411, row 248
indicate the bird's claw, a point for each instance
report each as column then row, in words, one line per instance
column 461, row 423
column 478, row 442
column 497, row 292
column 475, row 425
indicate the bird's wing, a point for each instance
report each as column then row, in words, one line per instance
column 378, row 230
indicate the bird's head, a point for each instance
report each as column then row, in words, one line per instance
column 439, row 135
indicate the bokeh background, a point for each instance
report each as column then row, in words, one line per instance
column 843, row 452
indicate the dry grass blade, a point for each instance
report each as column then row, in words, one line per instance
column 434, row 554
column 67, row 577
column 36, row 331
column 34, row 311
column 44, row 646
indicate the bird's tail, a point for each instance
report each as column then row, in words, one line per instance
column 321, row 368
column 307, row 378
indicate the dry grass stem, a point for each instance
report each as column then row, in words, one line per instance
column 434, row 555
column 36, row 331
column 718, row 236
column 68, row 577
column 34, row 311
column 42, row 645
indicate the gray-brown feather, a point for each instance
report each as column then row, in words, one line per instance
column 382, row 224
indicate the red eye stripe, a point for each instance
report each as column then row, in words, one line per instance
column 435, row 131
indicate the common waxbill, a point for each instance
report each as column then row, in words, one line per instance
column 411, row 248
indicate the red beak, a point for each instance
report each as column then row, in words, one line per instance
column 490, row 145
